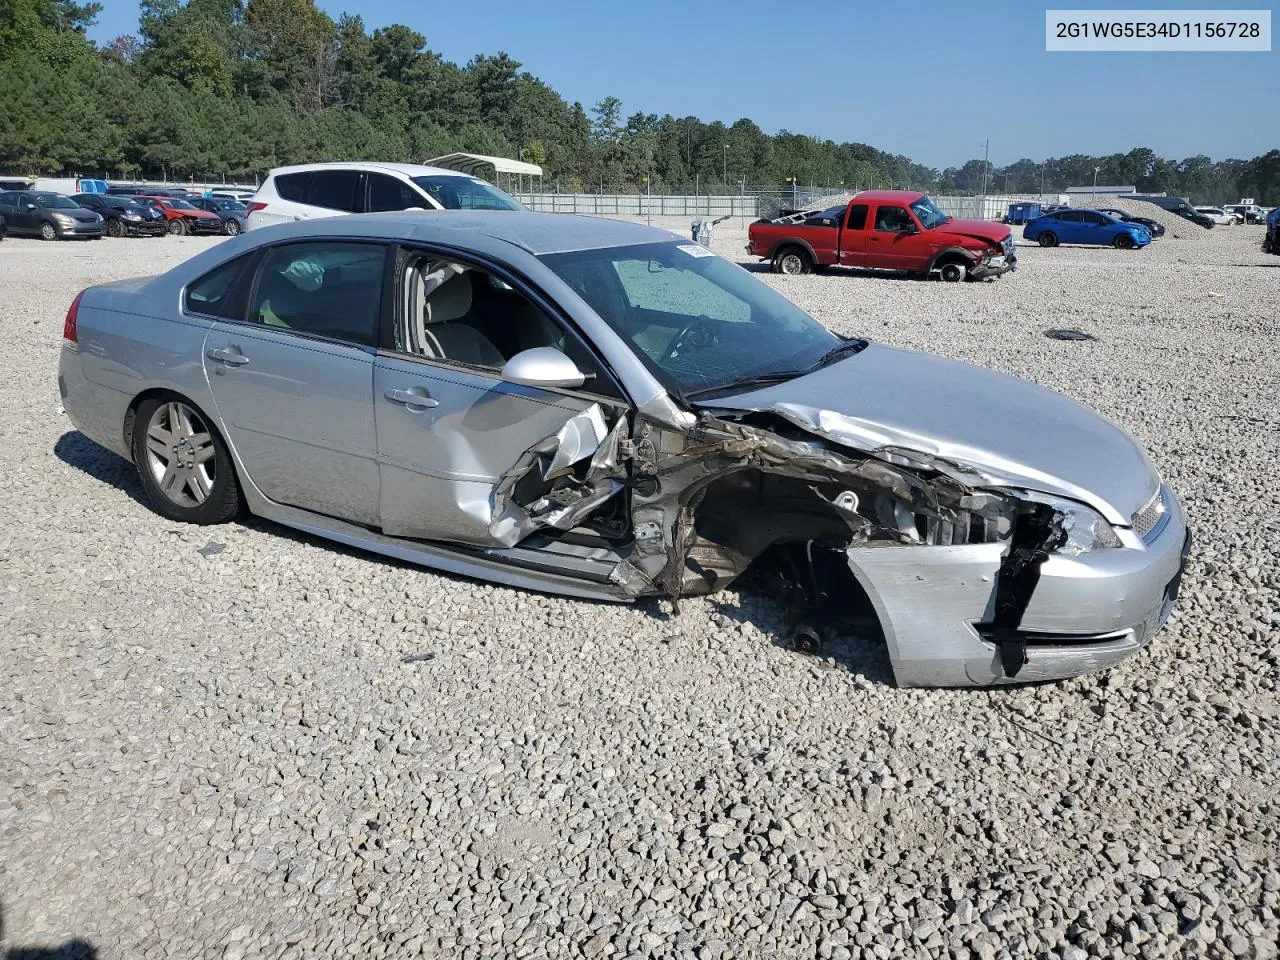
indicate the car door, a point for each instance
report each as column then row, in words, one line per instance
column 1096, row 228
column 891, row 244
column 291, row 372
column 1068, row 227
column 853, row 237
column 24, row 216
column 456, row 443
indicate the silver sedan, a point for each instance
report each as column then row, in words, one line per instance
column 600, row 409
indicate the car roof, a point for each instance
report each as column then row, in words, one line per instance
column 408, row 169
column 536, row 233
column 901, row 196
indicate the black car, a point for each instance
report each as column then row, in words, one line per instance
column 1154, row 227
column 50, row 216
column 124, row 217
column 230, row 212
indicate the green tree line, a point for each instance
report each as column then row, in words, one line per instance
column 213, row 89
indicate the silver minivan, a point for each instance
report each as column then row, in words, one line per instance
column 331, row 189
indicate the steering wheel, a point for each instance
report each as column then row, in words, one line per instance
column 697, row 332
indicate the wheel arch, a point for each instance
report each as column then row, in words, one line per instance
column 793, row 242
column 948, row 254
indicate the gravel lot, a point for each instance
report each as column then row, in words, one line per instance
column 242, row 742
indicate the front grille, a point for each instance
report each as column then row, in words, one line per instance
column 1146, row 520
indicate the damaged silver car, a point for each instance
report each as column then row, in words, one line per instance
column 600, row 409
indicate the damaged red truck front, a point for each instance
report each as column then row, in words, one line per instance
column 885, row 230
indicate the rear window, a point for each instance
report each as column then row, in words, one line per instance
column 293, row 186
column 858, row 216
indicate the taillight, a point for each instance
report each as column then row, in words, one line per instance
column 69, row 324
column 254, row 206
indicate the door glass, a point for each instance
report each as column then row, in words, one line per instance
column 333, row 189
column 388, row 193
column 892, row 219
column 857, row 217
column 219, row 293
column 293, row 186
column 326, row 289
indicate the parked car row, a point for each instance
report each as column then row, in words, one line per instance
column 55, row 216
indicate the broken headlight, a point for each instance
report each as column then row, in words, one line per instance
column 1085, row 528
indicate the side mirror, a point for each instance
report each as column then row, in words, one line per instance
column 543, row 367
column 910, row 228
column 29, row 206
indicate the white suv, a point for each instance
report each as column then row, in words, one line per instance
column 330, row 189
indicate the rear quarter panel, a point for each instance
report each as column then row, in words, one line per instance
column 129, row 343
column 767, row 238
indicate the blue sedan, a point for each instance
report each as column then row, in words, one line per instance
column 1085, row 226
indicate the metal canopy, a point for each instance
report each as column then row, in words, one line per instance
column 473, row 162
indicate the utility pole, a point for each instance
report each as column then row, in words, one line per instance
column 1095, row 185
column 986, row 166
column 726, row 166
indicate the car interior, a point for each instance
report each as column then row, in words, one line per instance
column 458, row 312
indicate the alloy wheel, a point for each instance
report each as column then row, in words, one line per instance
column 791, row 264
column 180, row 454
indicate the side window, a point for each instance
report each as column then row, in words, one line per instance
column 1069, row 216
column 463, row 313
column 327, row 289
column 1096, row 218
column 388, row 193
column 334, row 189
column 892, row 219
column 857, row 217
column 293, row 186
column 220, row 292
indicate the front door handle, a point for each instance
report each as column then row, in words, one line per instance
column 231, row 356
column 416, row 399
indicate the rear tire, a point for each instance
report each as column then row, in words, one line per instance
column 1122, row 242
column 47, row 232
column 792, row 261
column 1048, row 239
column 183, row 463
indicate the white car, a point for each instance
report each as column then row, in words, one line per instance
column 1220, row 216
column 330, row 189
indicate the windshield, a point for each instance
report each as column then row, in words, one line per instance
column 466, row 193
column 180, row 205
column 697, row 321
column 231, row 206
column 55, row 201
column 928, row 213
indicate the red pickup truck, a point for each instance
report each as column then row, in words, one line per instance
column 885, row 230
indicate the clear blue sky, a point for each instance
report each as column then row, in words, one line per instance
column 931, row 80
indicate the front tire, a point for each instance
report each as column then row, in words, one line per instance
column 952, row 271
column 115, row 228
column 792, row 261
column 1122, row 242
column 1048, row 239
column 47, row 232
column 231, row 228
column 183, row 463
column 178, row 227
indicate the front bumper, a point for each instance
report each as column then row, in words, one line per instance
column 1086, row 613
column 145, row 228
column 202, row 226
column 993, row 267
column 87, row 230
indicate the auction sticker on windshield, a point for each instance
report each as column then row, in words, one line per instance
column 693, row 250
column 1153, row 31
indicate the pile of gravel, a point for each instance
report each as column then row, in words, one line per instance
column 240, row 742
column 1175, row 227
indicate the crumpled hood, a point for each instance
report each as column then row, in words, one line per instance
column 985, row 229
column 981, row 427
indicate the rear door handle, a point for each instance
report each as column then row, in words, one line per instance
column 231, row 356
column 416, row 399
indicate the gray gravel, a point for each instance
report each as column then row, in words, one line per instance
column 245, row 743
